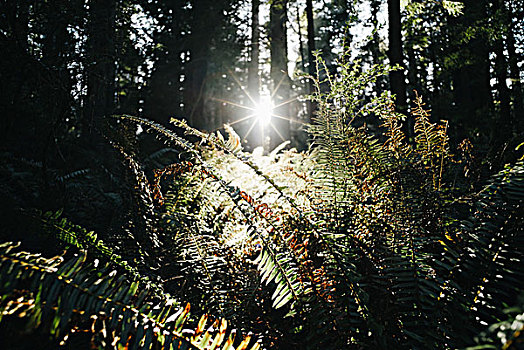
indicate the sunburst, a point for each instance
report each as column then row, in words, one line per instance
column 262, row 111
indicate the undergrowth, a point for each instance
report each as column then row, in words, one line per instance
column 364, row 241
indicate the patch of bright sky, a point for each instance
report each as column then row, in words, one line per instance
column 143, row 26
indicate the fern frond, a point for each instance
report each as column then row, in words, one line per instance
column 235, row 194
column 74, row 287
column 432, row 143
column 490, row 270
column 233, row 146
column 82, row 239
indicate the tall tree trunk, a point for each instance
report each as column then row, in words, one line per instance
column 375, row 50
column 194, row 88
column 196, row 68
column 471, row 80
column 100, row 101
column 253, row 72
column 13, row 46
column 253, row 77
column 501, row 72
column 300, row 42
column 397, row 77
column 516, row 83
column 376, row 56
column 279, row 77
column 310, row 49
column 504, row 121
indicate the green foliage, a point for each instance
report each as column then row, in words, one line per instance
column 360, row 225
column 66, row 294
column 364, row 241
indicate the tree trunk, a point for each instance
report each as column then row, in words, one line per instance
column 471, row 80
column 301, row 42
column 253, row 72
column 516, row 84
column 101, row 70
column 504, row 121
column 253, row 76
column 278, row 72
column 375, row 50
column 397, row 77
column 376, row 56
column 197, row 67
column 310, row 49
column 13, row 46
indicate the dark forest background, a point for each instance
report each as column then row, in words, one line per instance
column 66, row 67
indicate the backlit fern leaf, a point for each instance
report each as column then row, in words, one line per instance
column 490, row 271
column 283, row 272
column 432, row 143
column 60, row 292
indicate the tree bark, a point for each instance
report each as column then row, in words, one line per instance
column 301, row 42
column 396, row 57
column 253, row 76
column 310, row 49
column 375, row 51
column 196, row 68
column 253, row 72
column 471, row 79
column 100, row 101
column 279, row 72
column 504, row 120
column 516, row 83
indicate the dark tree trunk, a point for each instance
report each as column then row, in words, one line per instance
column 100, row 100
column 471, row 81
column 375, row 51
column 301, row 42
column 397, row 77
column 311, row 48
column 14, row 53
column 516, row 83
column 278, row 72
column 253, row 73
column 504, row 121
column 164, row 98
column 196, row 68
column 376, row 56
column 253, row 76
column 194, row 88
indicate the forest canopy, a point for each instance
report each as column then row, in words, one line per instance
column 253, row 174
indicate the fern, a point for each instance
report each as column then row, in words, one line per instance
column 368, row 252
column 276, row 267
column 489, row 271
column 82, row 239
column 60, row 291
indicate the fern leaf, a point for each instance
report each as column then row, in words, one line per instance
column 74, row 287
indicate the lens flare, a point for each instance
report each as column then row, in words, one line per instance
column 264, row 111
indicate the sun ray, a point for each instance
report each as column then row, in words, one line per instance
column 232, row 103
column 278, row 85
column 242, row 87
column 242, row 119
column 249, row 131
column 286, row 102
column 288, row 119
column 278, row 132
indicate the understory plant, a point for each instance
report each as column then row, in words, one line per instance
column 365, row 241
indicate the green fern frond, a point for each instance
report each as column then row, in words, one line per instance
column 249, row 212
column 82, row 239
column 432, row 143
column 59, row 292
column 490, row 270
